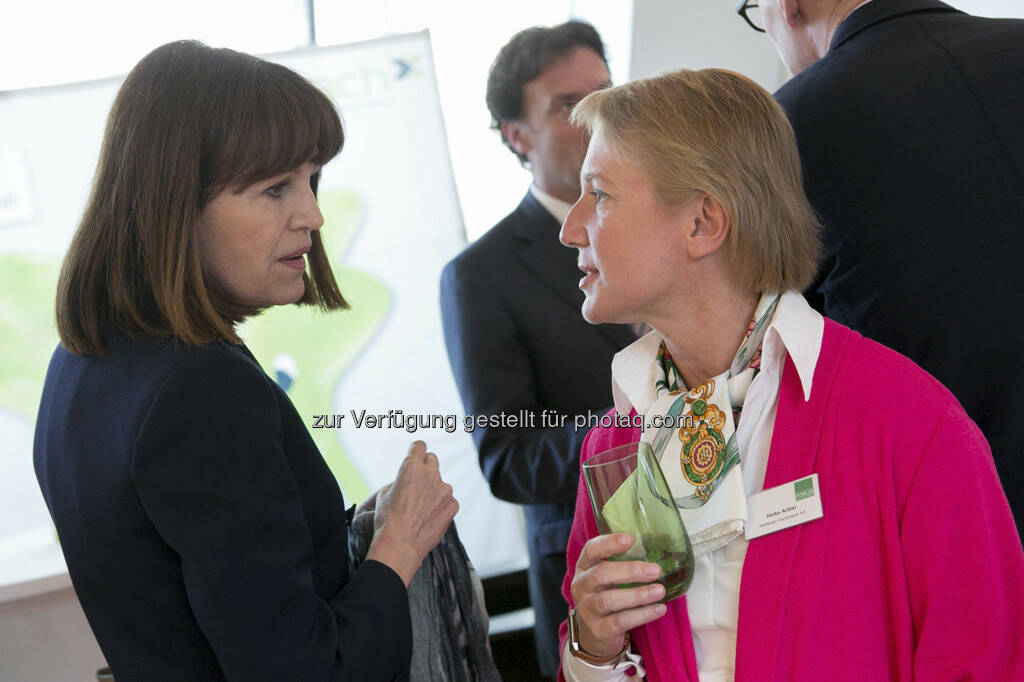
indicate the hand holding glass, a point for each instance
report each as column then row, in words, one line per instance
column 629, row 494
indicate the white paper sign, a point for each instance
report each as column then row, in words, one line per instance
column 15, row 191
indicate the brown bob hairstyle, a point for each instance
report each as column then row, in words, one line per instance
column 189, row 122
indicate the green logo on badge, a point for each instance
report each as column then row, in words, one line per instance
column 804, row 488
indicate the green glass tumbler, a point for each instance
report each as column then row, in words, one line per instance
column 629, row 494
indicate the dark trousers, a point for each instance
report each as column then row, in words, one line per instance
column 549, row 609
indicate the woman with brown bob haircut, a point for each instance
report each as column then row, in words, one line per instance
column 204, row 534
column 844, row 512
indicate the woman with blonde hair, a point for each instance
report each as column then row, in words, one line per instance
column 204, row 534
column 693, row 220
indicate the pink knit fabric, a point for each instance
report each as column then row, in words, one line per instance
column 916, row 571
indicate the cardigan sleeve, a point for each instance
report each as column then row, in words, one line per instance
column 584, row 526
column 210, row 468
column 964, row 563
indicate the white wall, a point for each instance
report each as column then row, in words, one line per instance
column 697, row 34
column 1007, row 9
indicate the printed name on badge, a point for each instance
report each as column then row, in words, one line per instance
column 783, row 506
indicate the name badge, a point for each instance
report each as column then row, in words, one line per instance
column 783, row 506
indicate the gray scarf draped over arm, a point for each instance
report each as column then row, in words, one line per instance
column 449, row 621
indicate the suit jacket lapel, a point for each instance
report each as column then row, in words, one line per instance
column 555, row 264
column 544, row 255
column 773, row 583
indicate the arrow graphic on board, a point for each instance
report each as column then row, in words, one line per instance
column 406, row 67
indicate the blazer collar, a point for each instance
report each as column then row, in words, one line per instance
column 553, row 205
column 878, row 11
column 555, row 264
column 536, row 224
column 543, row 254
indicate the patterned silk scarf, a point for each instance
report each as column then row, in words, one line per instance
column 696, row 444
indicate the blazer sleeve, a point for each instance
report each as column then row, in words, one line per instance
column 210, row 469
column 495, row 374
column 965, row 575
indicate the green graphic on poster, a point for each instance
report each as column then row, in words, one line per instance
column 312, row 349
column 28, row 332
column 307, row 350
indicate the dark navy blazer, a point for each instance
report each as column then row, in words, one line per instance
column 516, row 341
column 204, row 534
column 911, row 134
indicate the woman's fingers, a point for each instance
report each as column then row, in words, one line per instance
column 610, row 630
column 598, row 591
column 593, row 569
column 413, row 514
column 370, row 503
column 422, row 504
column 614, row 573
column 444, row 509
column 615, row 600
column 605, row 609
column 602, row 547
column 418, row 453
column 605, row 616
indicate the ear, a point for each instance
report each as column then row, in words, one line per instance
column 791, row 11
column 518, row 136
column 708, row 227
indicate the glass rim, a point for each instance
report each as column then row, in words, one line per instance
column 611, row 456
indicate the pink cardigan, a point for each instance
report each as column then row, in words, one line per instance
column 916, row 570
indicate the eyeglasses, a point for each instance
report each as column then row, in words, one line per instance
column 751, row 13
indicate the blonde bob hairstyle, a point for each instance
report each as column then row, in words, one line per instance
column 718, row 132
column 189, row 122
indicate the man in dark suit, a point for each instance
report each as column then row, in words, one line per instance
column 909, row 116
column 511, row 309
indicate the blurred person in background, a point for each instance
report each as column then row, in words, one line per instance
column 510, row 306
column 908, row 118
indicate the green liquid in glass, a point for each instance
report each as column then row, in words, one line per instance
column 676, row 566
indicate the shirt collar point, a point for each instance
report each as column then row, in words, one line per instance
column 797, row 331
column 553, row 205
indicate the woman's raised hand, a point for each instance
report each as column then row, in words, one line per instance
column 604, row 610
column 412, row 514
